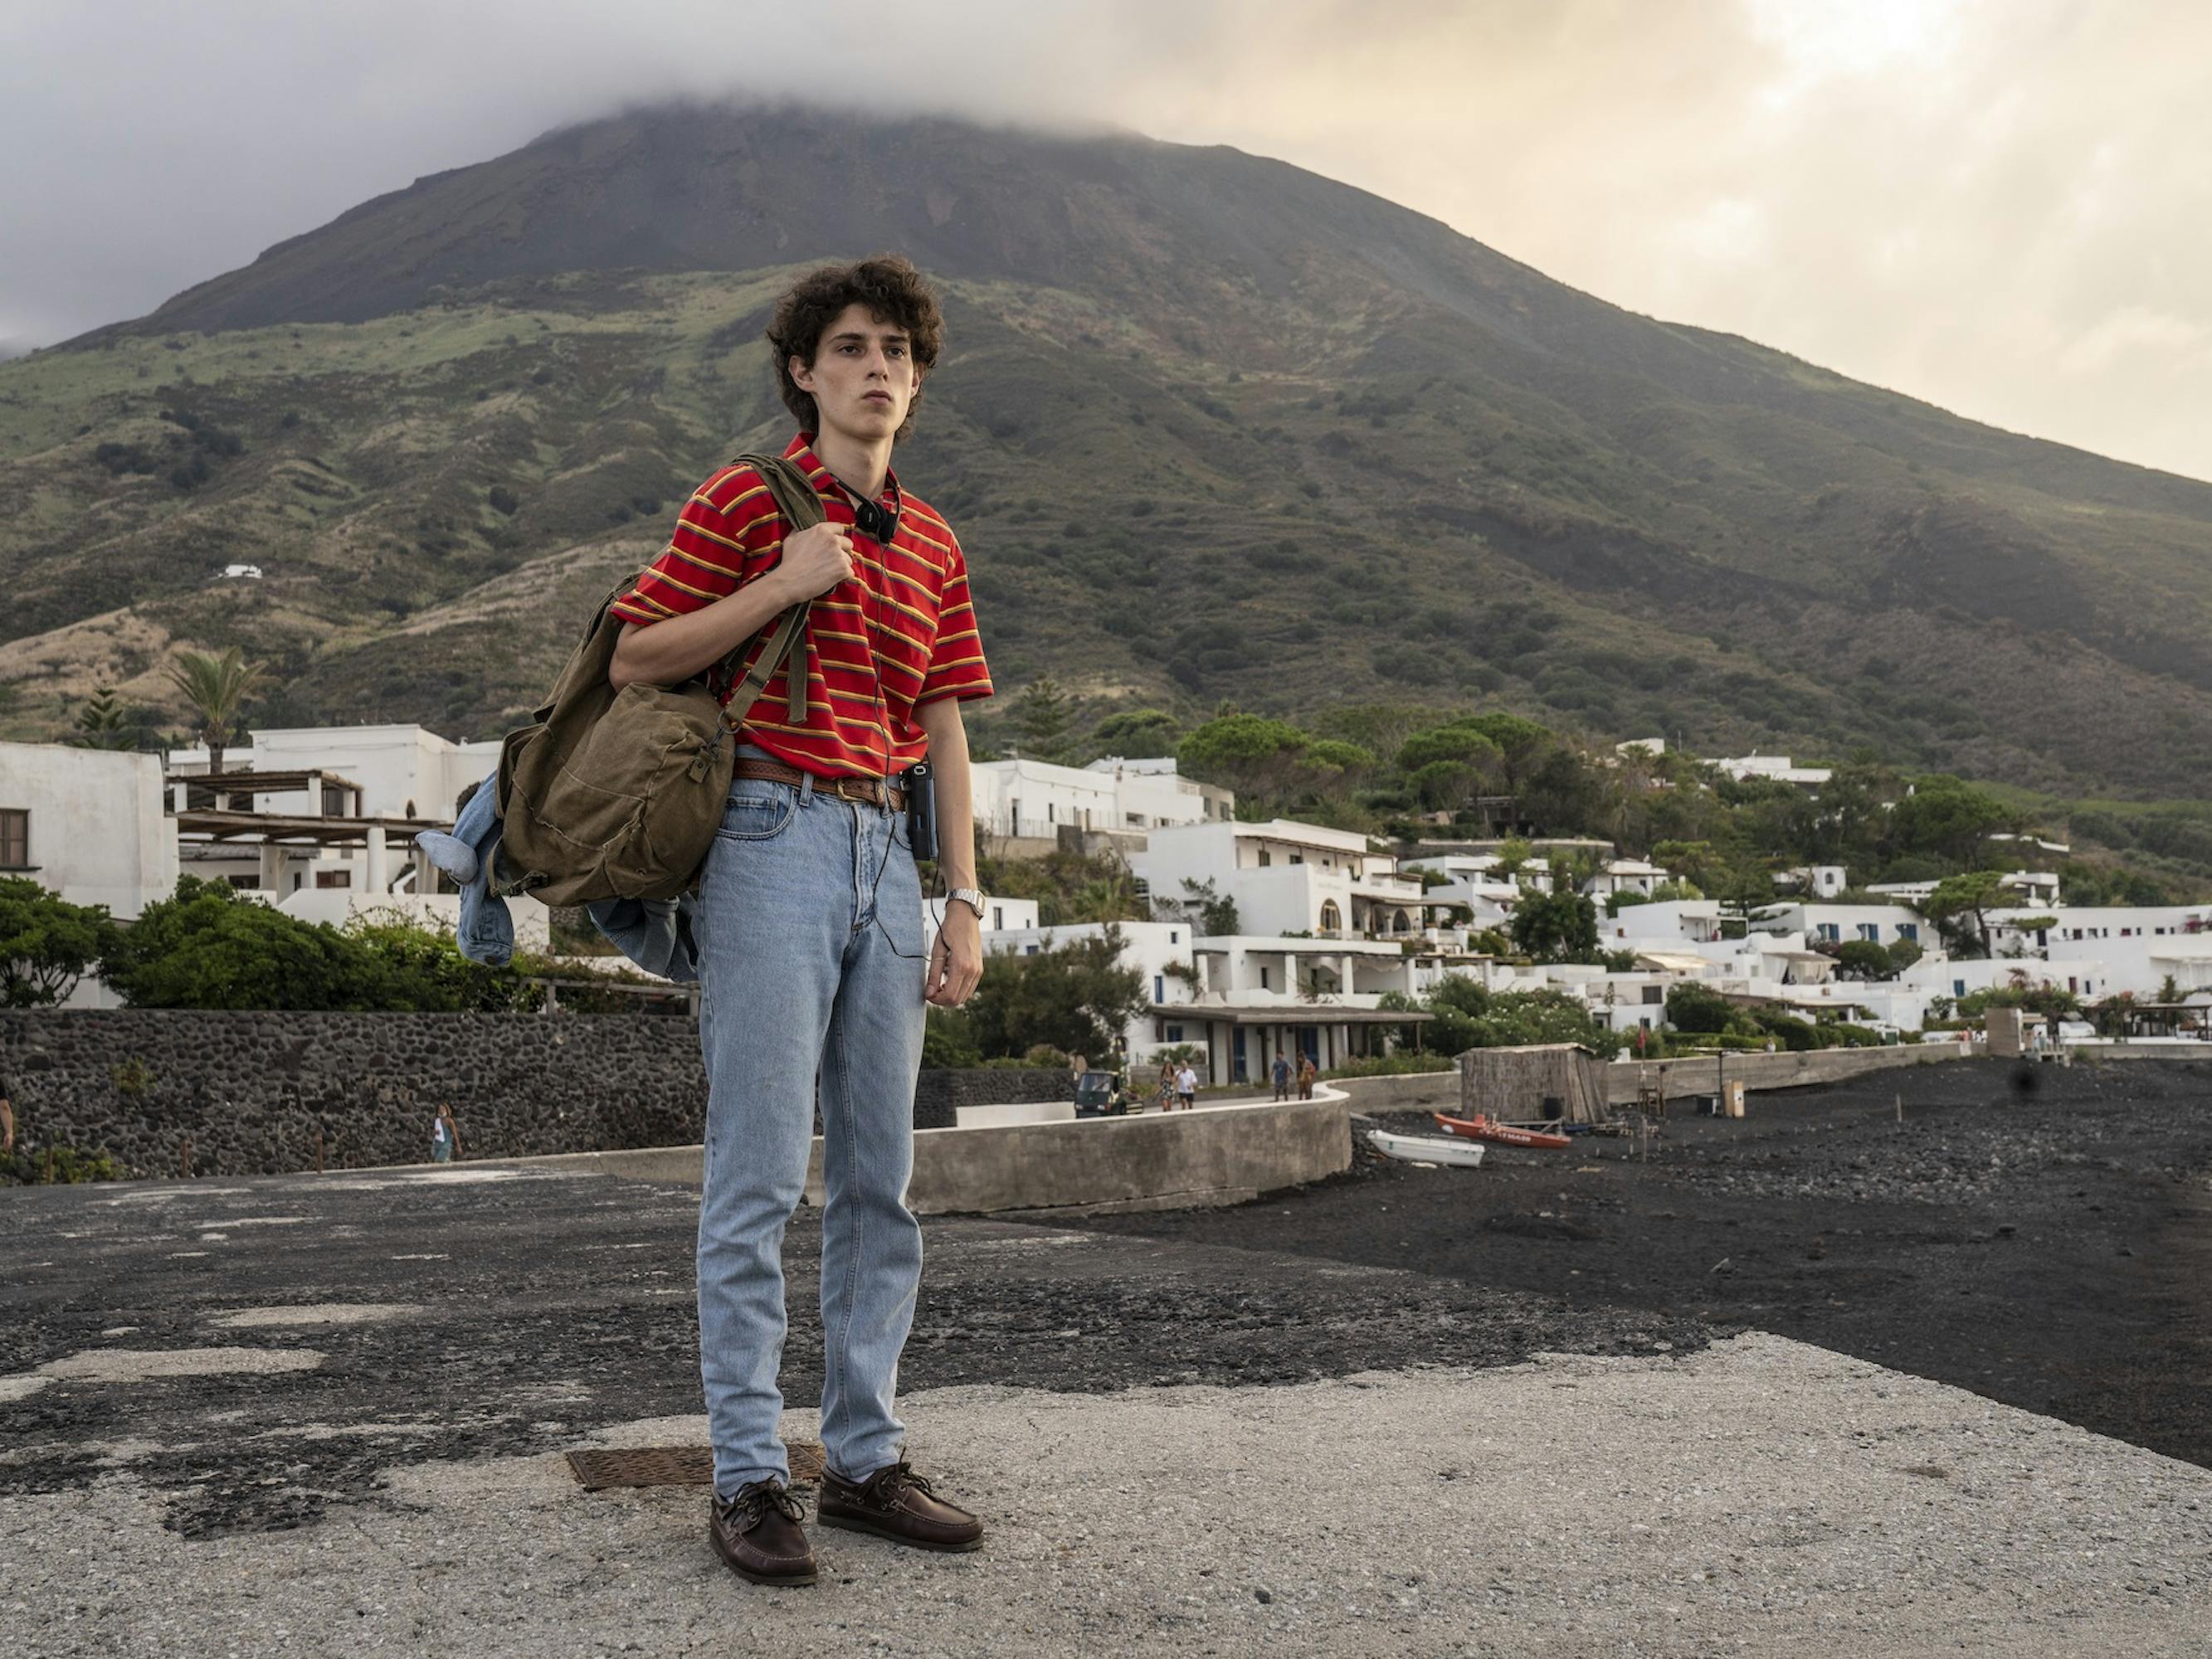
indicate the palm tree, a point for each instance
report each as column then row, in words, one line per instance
column 217, row 688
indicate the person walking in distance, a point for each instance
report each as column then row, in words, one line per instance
column 1167, row 1090
column 1307, row 1072
column 445, row 1136
column 1281, row 1071
column 813, row 954
column 1186, row 1087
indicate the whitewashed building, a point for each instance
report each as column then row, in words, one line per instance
column 1258, row 997
column 1625, row 875
column 1773, row 769
column 1150, row 793
column 1287, row 878
column 402, row 770
column 87, row 823
column 1840, row 924
column 1026, row 799
column 1158, row 951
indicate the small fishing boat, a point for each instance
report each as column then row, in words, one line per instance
column 1480, row 1128
column 1426, row 1149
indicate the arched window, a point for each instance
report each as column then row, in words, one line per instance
column 1331, row 919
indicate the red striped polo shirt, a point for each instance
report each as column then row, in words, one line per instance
column 900, row 632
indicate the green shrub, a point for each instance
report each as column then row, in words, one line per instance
column 47, row 943
column 1694, row 1008
column 209, row 948
column 1404, row 1063
column 59, row 1166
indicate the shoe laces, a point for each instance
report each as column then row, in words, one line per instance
column 752, row 1503
column 889, row 1483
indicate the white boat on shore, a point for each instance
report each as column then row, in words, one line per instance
column 1427, row 1149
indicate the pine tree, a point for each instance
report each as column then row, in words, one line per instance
column 100, row 723
column 1043, row 712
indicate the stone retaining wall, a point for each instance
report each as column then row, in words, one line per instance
column 1784, row 1070
column 251, row 1090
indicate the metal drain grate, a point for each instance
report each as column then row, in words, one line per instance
column 673, row 1465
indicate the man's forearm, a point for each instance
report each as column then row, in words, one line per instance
column 956, row 814
column 671, row 652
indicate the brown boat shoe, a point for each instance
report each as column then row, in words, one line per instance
column 896, row 1503
column 758, row 1534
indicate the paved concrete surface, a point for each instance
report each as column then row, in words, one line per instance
column 302, row 1416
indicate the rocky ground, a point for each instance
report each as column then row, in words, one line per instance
column 1531, row 1409
column 492, row 1311
column 2040, row 1235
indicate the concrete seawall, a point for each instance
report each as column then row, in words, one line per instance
column 1438, row 1091
column 1214, row 1155
column 1757, row 1072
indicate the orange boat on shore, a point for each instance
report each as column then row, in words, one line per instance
column 1480, row 1127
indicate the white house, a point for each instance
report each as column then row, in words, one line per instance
column 2101, row 950
column 1150, row 794
column 1470, row 879
column 1033, row 799
column 86, row 824
column 1258, row 997
column 1158, row 951
column 1287, row 878
column 1625, row 875
column 1662, row 923
column 402, row 771
column 2031, row 886
column 1819, row 881
column 1774, row 768
column 1840, row 924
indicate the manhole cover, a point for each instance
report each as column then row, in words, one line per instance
column 673, row 1465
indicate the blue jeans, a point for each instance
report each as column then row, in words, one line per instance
column 810, row 937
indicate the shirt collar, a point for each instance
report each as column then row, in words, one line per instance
column 801, row 451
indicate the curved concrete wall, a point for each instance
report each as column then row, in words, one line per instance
column 1214, row 1155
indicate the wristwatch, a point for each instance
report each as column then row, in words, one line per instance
column 970, row 897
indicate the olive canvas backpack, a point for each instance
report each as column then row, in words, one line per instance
column 610, row 795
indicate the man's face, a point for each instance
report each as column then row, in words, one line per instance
column 862, row 379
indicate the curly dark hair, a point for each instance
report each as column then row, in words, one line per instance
column 893, row 291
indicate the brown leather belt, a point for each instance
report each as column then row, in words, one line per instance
column 877, row 792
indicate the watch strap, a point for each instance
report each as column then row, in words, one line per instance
column 970, row 897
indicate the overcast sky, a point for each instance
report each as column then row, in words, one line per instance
column 2004, row 206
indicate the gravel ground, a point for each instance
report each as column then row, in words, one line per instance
column 2041, row 1235
column 495, row 1311
column 1757, row 1498
column 1531, row 1409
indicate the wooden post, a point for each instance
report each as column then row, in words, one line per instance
column 1900, row 1109
column 184, row 1160
column 50, row 1166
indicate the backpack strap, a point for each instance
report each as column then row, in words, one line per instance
column 800, row 509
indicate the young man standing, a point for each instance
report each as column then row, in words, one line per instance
column 813, row 952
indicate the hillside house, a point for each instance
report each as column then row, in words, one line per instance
column 1289, row 877
column 86, row 824
column 1022, row 799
